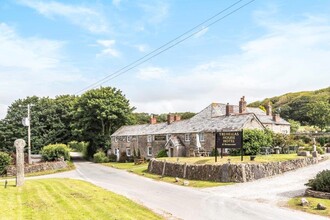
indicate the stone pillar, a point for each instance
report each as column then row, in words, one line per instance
column 19, row 145
column 314, row 153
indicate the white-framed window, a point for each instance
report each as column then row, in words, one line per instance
column 116, row 139
column 201, row 137
column 186, row 137
column 149, row 151
column 128, row 152
column 129, row 138
column 168, row 137
column 149, row 138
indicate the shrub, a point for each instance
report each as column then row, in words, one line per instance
column 112, row 158
column 318, row 149
column 213, row 152
column 123, row 157
column 254, row 139
column 5, row 160
column 162, row 153
column 100, row 157
column 321, row 182
column 54, row 152
column 77, row 146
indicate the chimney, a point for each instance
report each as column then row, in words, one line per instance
column 153, row 120
column 229, row 109
column 269, row 109
column 170, row 118
column 242, row 105
column 276, row 117
column 177, row 118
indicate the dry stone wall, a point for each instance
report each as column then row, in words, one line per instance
column 317, row 194
column 244, row 172
column 11, row 170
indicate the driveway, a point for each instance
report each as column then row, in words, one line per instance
column 261, row 199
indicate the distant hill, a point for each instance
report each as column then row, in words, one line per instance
column 295, row 105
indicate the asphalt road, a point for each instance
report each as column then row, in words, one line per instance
column 262, row 199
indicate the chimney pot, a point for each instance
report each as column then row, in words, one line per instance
column 276, row 117
column 229, row 109
column 242, row 105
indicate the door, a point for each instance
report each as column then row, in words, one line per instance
column 171, row 152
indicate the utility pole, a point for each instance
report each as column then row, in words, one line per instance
column 29, row 134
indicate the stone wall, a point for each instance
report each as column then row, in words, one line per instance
column 317, row 194
column 243, row 172
column 11, row 170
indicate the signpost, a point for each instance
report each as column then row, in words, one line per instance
column 228, row 139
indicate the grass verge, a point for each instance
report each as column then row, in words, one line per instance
column 295, row 203
column 67, row 199
column 141, row 170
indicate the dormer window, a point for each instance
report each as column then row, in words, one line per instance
column 201, row 137
column 129, row 138
column 186, row 137
column 116, row 139
column 149, row 138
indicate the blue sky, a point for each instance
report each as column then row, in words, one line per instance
column 267, row 48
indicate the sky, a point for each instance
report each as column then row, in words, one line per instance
column 265, row 49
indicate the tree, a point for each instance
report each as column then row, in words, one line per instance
column 319, row 114
column 254, row 139
column 99, row 113
column 294, row 125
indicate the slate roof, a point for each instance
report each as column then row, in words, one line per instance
column 210, row 119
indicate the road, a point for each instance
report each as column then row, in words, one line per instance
column 261, row 199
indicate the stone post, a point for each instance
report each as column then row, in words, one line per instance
column 19, row 145
column 314, row 153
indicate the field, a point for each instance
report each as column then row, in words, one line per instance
column 66, row 199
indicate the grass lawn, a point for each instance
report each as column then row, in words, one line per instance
column 67, row 199
column 295, row 203
column 233, row 159
column 141, row 169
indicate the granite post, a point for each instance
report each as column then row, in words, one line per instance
column 19, row 145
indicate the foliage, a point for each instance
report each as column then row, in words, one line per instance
column 323, row 140
column 311, row 148
column 123, row 157
column 162, row 153
column 100, row 157
column 5, row 160
column 99, row 113
column 112, row 158
column 78, row 146
column 304, row 107
column 54, row 152
column 214, row 153
column 321, row 182
column 254, row 139
column 294, row 125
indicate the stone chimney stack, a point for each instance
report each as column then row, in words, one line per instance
column 269, row 109
column 153, row 120
column 177, row 118
column 170, row 118
column 242, row 105
column 276, row 117
column 229, row 109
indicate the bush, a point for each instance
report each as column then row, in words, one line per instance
column 5, row 160
column 254, row 139
column 213, row 152
column 162, row 153
column 112, row 158
column 321, row 182
column 77, row 146
column 54, row 152
column 100, row 157
column 318, row 149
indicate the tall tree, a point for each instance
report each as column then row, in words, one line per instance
column 99, row 113
column 319, row 114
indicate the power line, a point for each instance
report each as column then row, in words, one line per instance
column 150, row 56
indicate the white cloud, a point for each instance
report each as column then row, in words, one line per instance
column 289, row 57
column 84, row 17
column 141, row 47
column 109, row 49
column 155, row 12
column 151, row 73
column 202, row 32
column 32, row 66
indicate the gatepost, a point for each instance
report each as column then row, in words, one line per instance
column 19, row 145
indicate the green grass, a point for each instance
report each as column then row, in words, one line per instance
column 141, row 169
column 67, row 199
column 295, row 203
column 233, row 159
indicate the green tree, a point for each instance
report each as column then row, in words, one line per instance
column 294, row 125
column 99, row 113
column 254, row 139
column 319, row 114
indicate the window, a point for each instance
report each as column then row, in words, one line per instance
column 149, row 138
column 186, row 137
column 128, row 152
column 116, row 139
column 201, row 136
column 129, row 138
column 149, row 151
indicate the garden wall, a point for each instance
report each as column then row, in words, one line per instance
column 11, row 170
column 243, row 172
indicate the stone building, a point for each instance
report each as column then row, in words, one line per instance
column 194, row 136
